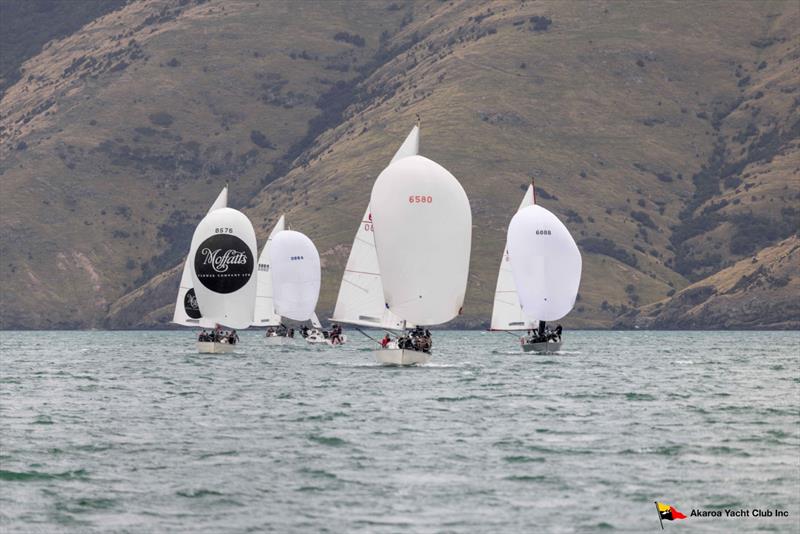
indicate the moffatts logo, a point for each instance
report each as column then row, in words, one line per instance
column 221, row 261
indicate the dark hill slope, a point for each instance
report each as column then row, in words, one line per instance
column 637, row 124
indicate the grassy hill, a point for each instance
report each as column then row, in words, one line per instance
column 665, row 136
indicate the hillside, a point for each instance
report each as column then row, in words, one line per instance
column 665, row 136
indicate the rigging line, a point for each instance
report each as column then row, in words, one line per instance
column 367, row 335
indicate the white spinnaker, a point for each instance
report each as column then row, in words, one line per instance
column 545, row 262
column 223, row 257
column 296, row 275
column 507, row 312
column 181, row 314
column 264, row 314
column 423, row 231
column 360, row 301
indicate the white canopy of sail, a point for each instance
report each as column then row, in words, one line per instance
column 360, row 301
column 545, row 262
column 423, row 230
column 264, row 314
column 296, row 275
column 507, row 312
column 181, row 314
column 223, row 269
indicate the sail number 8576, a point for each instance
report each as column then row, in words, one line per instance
column 420, row 199
column 223, row 230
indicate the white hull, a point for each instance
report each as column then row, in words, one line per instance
column 211, row 347
column 317, row 338
column 543, row 347
column 401, row 357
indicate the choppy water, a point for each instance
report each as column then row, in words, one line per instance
column 134, row 432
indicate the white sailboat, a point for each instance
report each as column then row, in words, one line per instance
column 264, row 314
column 545, row 267
column 187, row 311
column 506, row 312
column 422, row 230
column 289, row 278
column 222, row 268
column 360, row 301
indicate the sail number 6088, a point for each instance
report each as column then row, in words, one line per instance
column 420, row 199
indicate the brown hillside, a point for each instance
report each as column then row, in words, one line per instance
column 659, row 133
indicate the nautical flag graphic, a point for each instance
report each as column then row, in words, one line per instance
column 665, row 511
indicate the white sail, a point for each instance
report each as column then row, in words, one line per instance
column 507, row 312
column 423, row 230
column 296, row 275
column 545, row 262
column 223, row 267
column 410, row 146
column 264, row 314
column 360, row 301
column 315, row 321
column 187, row 312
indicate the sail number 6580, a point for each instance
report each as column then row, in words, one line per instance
column 420, row 199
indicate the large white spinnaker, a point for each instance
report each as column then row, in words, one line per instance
column 545, row 262
column 296, row 275
column 187, row 311
column 223, row 257
column 264, row 314
column 423, row 230
column 507, row 312
column 360, row 301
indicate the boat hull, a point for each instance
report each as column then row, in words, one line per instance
column 319, row 339
column 211, row 347
column 542, row 347
column 401, row 357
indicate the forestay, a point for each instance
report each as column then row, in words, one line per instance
column 187, row 311
column 423, row 230
column 507, row 312
column 223, row 267
column 360, row 301
column 296, row 275
column 545, row 262
column 265, row 309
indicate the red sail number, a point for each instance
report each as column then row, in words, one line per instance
column 420, row 199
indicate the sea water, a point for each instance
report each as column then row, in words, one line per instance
column 136, row 432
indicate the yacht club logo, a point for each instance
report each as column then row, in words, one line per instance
column 190, row 305
column 223, row 263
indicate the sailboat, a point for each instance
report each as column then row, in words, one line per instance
column 264, row 314
column 539, row 276
column 422, row 227
column 360, row 301
column 187, row 311
column 289, row 277
column 222, row 269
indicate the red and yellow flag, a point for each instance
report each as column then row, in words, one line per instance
column 665, row 511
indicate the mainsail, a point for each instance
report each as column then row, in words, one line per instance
column 507, row 312
column 360, row 301
column 265, row 309
column 423, row 231
column 187, row 311
column 545, row 262
column 223, row 269
column 296, row 275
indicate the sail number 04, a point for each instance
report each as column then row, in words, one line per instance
column 420, row 199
